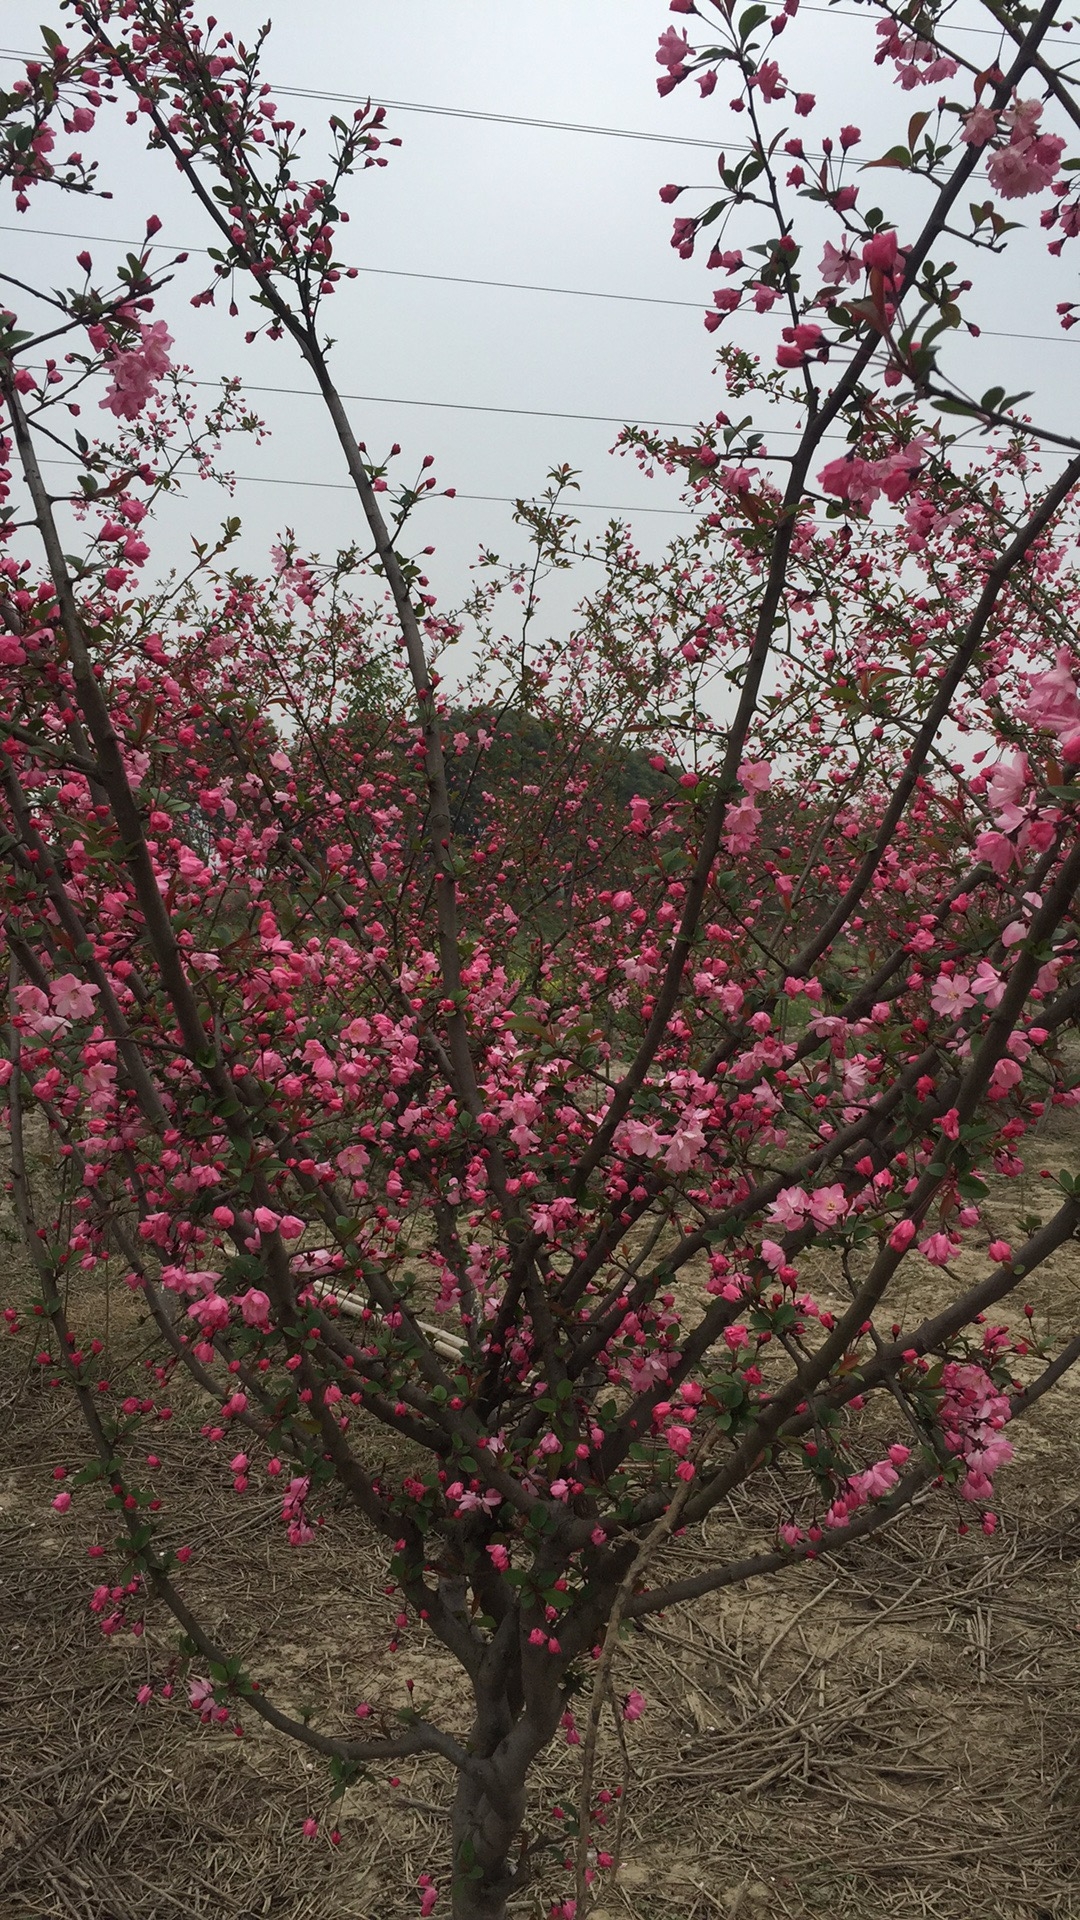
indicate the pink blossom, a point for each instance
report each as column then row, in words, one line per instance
column 1027, row 164
column 876, row 1481
column 73, row 998
column 979, row 127
column 790, row 1207
column 937, row 1248
column 998, row 850
column 741, row 823
column 212, row 1313
column 902, row 1235
column 1052, row 700
column 1004, row 785
column 135, row 371
column 829, row 1205
column 951, row 996
column 255, row 1308
column 839, row 266
column 769, row 81
column 641, row 1137
column 755, row 775
column 673, row 49
column 881, row 252
column 633, row 1705
column 1006, row 1075
column 685, row 1146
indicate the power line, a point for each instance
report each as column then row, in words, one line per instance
column 391, row 273
column 346, row 486
column 465, row 280
column 550, row 126
column 536, row 413
column 522, row 413
column 475, row 113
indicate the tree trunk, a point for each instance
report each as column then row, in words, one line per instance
column 484, row 1836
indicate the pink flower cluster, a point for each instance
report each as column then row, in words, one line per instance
column 1053, row 703
column 135, row 370
column 918, row 63
column 293, row 1512
column 1029, row 161
column 973, row 1412
column 861, row 482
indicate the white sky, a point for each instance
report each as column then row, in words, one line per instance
column 464, row 197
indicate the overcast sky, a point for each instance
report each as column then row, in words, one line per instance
column 483, row 199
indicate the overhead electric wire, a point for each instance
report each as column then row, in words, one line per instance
column 346, row 486
column 549, row 126
column 465, row 280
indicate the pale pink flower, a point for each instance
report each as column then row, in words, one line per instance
column 755, row 775
column 1004, row 786
column 828, row 1205
column 73, row 998
column 741, row 823
column 839, row 266
column 1052, row 701
column 642, row 1137
column 951, row 997
column 979, row 127
column 135, row 371
column 790, row 1208
column 685, row 1146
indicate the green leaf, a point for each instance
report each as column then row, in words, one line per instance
column 964, row 407
column 752, row 18
column 896, row 157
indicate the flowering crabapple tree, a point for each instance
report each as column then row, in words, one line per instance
column 442, row 1098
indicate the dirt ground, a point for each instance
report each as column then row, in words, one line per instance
column 893, row 1734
